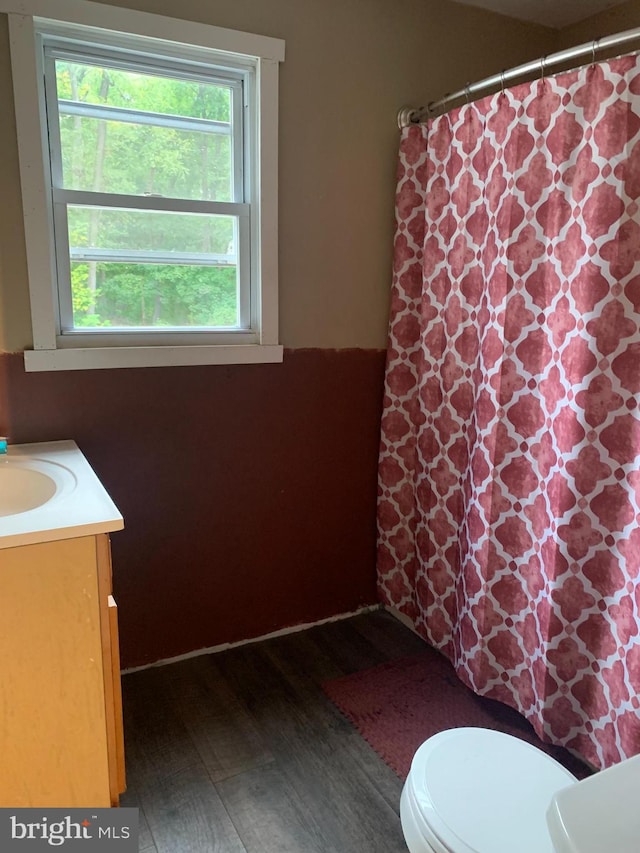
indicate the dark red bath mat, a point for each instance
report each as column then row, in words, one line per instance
column 398, row 705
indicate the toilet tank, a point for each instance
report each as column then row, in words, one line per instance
column 601, row 813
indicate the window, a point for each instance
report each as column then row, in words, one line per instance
column 148, row 156
column 148, row 193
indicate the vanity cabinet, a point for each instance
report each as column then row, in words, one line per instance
column 61, row 736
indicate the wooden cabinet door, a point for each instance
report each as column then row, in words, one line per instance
column 53, row 749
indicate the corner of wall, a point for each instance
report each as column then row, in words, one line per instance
column 625, row 16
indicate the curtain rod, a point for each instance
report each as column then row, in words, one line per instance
column 408, row 115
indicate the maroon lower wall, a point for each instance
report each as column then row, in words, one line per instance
column 248, row 491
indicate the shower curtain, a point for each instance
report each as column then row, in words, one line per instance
column 509, row 472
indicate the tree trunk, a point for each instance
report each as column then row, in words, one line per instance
column 77, row 149
column 94, row 215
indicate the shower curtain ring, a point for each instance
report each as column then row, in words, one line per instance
column 594, row 47
column 543, row 63
column 502, row 81
column 467, row 91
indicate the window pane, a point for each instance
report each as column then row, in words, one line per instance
column 132, row 268
column 126, row 132
column 153, row 296
column 108, row 228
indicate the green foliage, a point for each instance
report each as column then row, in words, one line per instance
column 146, row 159
column 82, row 297
column 156, row 295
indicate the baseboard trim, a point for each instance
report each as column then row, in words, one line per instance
column 294, row 629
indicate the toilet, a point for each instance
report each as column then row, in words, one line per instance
column 474, row 790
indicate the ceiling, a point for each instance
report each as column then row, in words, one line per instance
column 551, row 13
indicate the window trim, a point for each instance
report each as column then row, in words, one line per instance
column 188, row 40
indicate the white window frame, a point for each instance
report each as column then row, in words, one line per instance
column 176, row 39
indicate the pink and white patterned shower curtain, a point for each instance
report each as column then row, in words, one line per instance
column 509, row 478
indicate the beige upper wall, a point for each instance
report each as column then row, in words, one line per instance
column 616, row 20
column 350, row 65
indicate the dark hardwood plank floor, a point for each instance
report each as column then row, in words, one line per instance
column 241, row 751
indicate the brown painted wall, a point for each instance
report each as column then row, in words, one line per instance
column 248, row 492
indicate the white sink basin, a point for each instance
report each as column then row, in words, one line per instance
column 49, row 491
column 26, row 484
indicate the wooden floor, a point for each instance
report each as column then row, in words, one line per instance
column 241, row 751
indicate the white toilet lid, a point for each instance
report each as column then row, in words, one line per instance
column 482, row 791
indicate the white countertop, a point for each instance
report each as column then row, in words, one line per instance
column 78, row 506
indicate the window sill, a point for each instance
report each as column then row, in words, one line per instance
column 102, row 358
